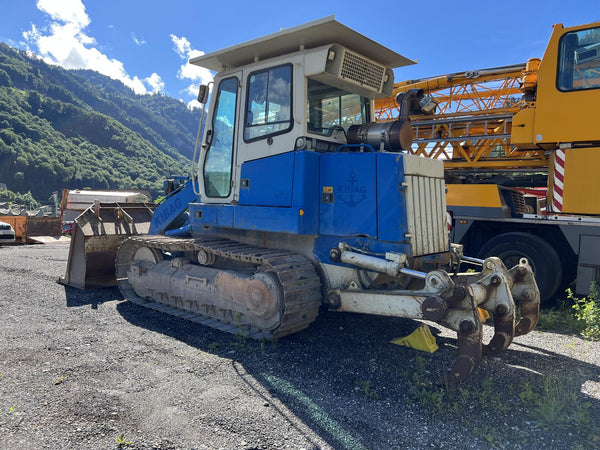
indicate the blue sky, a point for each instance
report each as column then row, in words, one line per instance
column 146, row 44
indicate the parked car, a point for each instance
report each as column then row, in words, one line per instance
column 67, row 228
column 7, row 234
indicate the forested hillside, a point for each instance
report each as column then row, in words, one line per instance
column 76, row 129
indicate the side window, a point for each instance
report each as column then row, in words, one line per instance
column 579, row 60
column 219, row 158
column 330, row 107
column 269, row 103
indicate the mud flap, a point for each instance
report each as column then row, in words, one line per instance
column 97, row 234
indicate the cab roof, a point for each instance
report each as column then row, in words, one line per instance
column 309, row 35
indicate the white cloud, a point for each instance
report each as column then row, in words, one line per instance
column 68, row 11
column 194, row 104
column 137, row 40
column 182, row 45
column 198, row 75
column 155, row 82
column 66, row 44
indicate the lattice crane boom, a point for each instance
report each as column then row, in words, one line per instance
column 471, row 125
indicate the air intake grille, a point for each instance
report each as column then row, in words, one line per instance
column 362, row 71
column 426, row 208
column 519, row 202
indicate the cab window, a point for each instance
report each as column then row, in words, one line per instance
column 269, row 103
column 330, row 107
column 579, row 60
column 218, row 162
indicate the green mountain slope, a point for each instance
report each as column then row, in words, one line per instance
column 75, row 129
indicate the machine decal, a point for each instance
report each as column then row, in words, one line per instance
column 352, row 193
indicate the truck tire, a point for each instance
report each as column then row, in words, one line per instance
column 544, row 260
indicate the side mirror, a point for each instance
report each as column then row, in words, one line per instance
column 203, row 94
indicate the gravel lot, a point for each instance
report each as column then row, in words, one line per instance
column 85, row 369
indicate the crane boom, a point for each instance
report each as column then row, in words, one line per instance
column 470, row 125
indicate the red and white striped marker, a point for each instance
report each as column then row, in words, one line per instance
column 559, row 180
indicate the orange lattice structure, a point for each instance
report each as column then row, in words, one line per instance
column 472, row 122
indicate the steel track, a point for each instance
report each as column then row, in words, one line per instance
column 300, row 282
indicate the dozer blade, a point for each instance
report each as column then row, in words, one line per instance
column 97, row 234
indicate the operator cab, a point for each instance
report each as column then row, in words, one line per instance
column 298, row 89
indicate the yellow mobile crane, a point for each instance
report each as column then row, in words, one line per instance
column 521, row 147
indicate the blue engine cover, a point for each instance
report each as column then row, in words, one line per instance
column 348, row 194
column 268, row 181
column 278, row 194
column 333, row 196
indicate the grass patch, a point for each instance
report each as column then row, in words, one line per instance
column 561, row 320
column 574, row 315
column 553, row 403
column 214, row 347
column 123, row 442
column 366, row 388
column 556, row 406
column 587, row 312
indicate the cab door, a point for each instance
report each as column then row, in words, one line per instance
column 216, row 181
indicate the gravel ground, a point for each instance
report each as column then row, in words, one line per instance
column 85, row 369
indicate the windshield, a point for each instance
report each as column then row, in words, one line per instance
column 330, row 107
column 579, row 60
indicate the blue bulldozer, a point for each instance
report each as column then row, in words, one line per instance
column 298, row 201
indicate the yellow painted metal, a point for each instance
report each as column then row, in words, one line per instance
column 581, row 182
column 477, row 195
column 472, row 124
column 543, row 117
column 533, row 116
column 420, row 339
column 563, row 116
column 530, row 75
column 460, row 92
column 451, row 80
column 483, row 315
column 522, row 128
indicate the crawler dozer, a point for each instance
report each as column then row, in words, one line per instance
column 300, row 201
